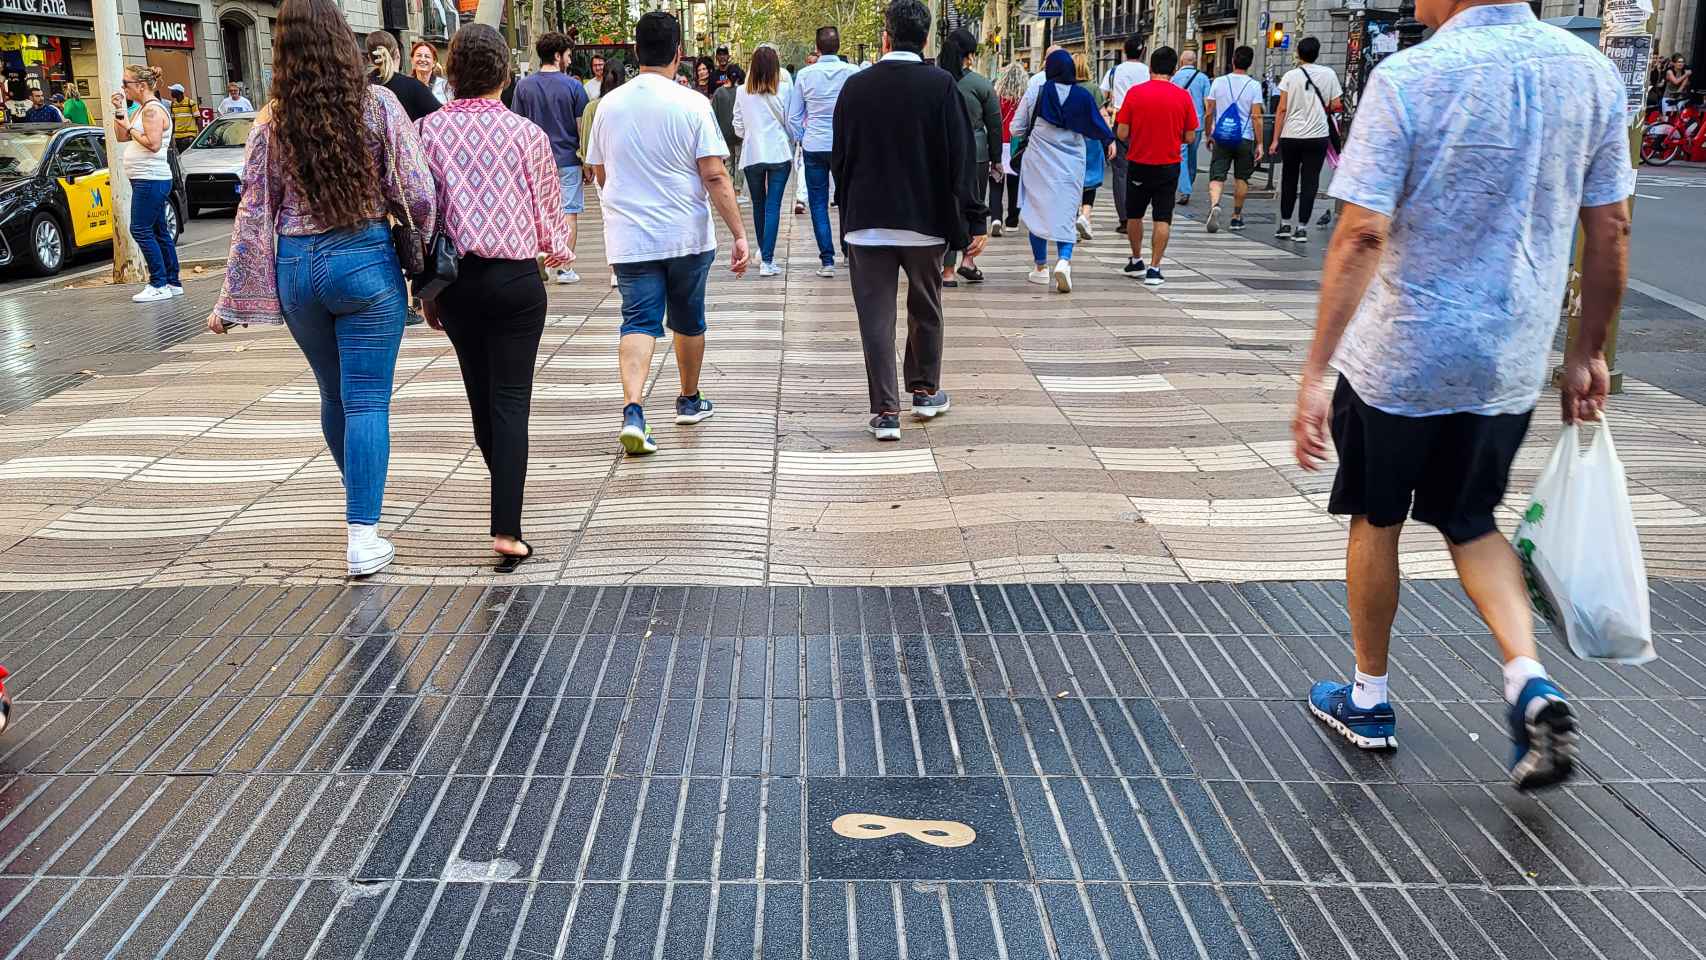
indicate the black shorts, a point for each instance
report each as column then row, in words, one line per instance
column 1454, row 466
column 1151, row 184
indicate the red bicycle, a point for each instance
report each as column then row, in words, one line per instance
column 1681, row 135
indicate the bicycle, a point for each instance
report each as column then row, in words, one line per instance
column 1681, row 134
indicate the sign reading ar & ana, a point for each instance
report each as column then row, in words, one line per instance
column 56, row 9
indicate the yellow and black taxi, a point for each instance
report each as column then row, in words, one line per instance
column 55, row 200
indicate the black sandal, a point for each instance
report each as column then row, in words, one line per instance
column 511, row 561
column 972, row 274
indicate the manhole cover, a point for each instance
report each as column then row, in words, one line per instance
column 895, row 828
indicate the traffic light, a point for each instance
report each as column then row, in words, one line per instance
column 1276, row 35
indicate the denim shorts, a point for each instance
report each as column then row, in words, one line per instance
column 653, row 288
column 574, row 196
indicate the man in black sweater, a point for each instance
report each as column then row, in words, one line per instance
column 903, row 165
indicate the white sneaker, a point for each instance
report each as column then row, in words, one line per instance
column 827, row 270
column 996, row 227
column 742, row 200
column 1084, row 230
column 177, row 291
column 151, row 294
column 368, row 552
column 767, row 270
column 568, row 276
column 1063, row 276
column 1038, row 276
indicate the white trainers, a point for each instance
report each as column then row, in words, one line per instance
column 151, row 294
column 996, row 227
column 1038, row 276
column 1063, row 276
column 1084, row 230
column 568, row 276
column 767, row 270
column 827, row 270
column 176, row 290
column 368, row 552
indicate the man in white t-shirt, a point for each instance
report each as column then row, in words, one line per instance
column 234, row 101
column 1119, row 79
column 658, row 158
column 1307, row 92
column 1235, row 98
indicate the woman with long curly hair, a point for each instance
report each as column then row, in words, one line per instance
column 330, row 158
column 500, row 214
column 1009, row 90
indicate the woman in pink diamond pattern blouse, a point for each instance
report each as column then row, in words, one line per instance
column 500, row 203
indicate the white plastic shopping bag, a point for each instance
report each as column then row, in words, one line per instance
column 1580, row 554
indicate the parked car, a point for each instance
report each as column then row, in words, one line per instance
column 213, row 164
column 55, row 200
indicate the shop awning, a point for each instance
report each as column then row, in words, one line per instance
column 47, row 28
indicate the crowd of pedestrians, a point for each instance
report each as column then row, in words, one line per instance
column 1437, row 317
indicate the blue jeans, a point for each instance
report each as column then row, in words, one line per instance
column 1039, row 250
column 817, row 198
column 148, row 199
column 343, row 299
column 1188, row 164
column 652, row 289
column 766, row 182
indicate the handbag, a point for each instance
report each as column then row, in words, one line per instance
column 430, row 270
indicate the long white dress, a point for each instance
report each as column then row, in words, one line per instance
column 1051, row 174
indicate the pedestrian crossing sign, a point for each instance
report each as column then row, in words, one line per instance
column 1050, row 8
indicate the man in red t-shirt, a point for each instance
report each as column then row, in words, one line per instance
column 1156, row 118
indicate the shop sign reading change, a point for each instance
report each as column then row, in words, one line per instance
column 162, row 32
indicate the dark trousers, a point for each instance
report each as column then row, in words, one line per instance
column 1010, row 186
column 875, row 273
column 495, row 314
column 1117, row 184
column 1302, row 158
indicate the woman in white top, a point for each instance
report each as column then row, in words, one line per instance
column 147, row 135
column 1307, row 93
column 767, row 151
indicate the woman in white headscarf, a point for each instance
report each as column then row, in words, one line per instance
column 1056, row 118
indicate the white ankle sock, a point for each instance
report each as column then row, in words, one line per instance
column 1517, row 674
column 1367, row 691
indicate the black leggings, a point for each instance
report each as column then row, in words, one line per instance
column 1303, row 157
column 495, row 314
column 1010, row 186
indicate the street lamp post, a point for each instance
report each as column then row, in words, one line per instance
column 1409, row 29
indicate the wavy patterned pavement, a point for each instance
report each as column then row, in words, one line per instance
column 1115, row 434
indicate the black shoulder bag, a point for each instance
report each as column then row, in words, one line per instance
column 1334, row 139
column 428, row 270
column 1024, row 142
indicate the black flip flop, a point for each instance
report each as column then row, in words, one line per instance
column 511, row 561
column 972, row 274
column 950, row 283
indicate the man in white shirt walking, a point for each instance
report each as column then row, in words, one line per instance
column 1119, row 79
column 811, row 117
column 658, row 160
column 1233, row 119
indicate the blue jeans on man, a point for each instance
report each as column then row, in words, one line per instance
column 152, row 231
column 817, row 198
column 344, row 302
column 1188, row 164
column 767, row 182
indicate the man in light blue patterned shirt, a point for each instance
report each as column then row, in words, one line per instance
column 811, row 116
column 1472, row 158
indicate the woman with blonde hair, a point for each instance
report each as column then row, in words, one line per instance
column 1009, row 90
column 767, row 149
column 423, row 66
column 329, row 160
column 147, row 136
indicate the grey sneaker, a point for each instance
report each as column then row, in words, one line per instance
column 927, row 406
column 1213, row 219
column 885, row 426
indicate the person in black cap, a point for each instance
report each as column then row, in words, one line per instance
column 727, row 69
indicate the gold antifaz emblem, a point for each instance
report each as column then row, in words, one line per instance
column 870, row 826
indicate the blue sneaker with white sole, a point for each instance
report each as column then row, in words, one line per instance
column 636, row 437
column 1373, row 729
column 690, row 410
column 1543, row 727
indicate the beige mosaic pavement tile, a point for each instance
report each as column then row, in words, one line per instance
column 1115, row 434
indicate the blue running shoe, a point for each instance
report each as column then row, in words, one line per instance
column 636, row 436
column 1543, row 727
column 689, row 410
column 1372, row 729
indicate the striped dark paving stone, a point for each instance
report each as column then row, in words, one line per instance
column 626, row 772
